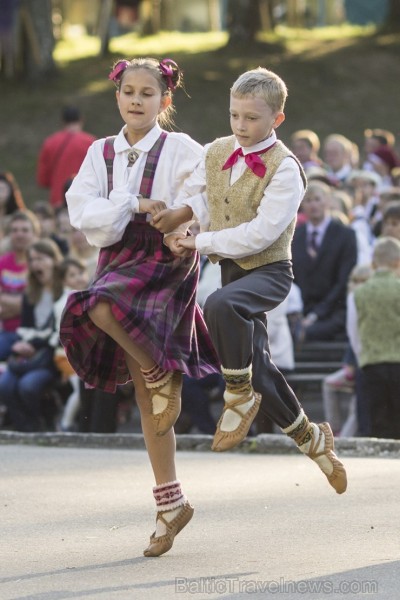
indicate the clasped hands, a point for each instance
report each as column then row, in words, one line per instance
column 166, row 221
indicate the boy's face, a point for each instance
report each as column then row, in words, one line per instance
column 252, row 120
column 391, row 228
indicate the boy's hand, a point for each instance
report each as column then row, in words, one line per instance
column 169, row 219
column 188, row 243
column 153, row 207
column 172, row 241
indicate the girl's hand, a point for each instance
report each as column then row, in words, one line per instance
column 153, row 207
column 165, row 221
column 168, row 220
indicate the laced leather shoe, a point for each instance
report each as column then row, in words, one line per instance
column 171, row 391
column 163, row 543
column 338, row 477
column 225, row 440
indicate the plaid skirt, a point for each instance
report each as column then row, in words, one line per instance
column 152, row 293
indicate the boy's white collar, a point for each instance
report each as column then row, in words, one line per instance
column 260, row 146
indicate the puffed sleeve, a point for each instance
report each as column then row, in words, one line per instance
column 102, row 220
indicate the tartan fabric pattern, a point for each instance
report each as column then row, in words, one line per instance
column 152, row 294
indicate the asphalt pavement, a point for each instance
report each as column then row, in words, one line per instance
column 74, row 522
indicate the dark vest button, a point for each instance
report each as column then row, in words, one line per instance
column 226, row 201
column 227, row 217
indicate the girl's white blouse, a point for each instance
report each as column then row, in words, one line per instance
column 103, row 220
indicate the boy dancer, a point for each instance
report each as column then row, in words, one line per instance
column 246, row 193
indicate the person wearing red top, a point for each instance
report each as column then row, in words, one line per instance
column 24, row 229
column 62, row 154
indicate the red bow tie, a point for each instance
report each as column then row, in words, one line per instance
column 252, row 160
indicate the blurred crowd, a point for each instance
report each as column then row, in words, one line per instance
column 347, row 236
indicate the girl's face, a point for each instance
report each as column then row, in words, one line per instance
column 75, row 278
column 252, row 120
column 140, row 102
column 42, row 267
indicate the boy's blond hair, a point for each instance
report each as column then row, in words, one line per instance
column 386, row 253
column 264, row 84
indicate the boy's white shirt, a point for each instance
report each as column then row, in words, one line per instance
column 103, row 220
column 277, row 209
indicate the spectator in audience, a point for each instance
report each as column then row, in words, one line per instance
column 386, row 197
column 341, row 205
column 363, row 185
column 23, row 230
column 305, row 145
column 30, row 367
column 343, row 381
column 384, row 160
column 374, row 139
column 340, row 156
column 48, row 223
column 73, row 276
column 391, row 220
column 62, row 154
column 373, row 325
column 10, row 195
column 80, row 249
column 11, row 200
column 324, row 253
column 197, row 394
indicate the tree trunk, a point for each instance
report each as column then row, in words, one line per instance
column 243, row 21
column 392, row 22
column 36, row 43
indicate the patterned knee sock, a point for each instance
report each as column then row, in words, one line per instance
column 303, row 433
column 237, row 383
column 169, row 499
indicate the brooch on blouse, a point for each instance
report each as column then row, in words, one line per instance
column 133, row 155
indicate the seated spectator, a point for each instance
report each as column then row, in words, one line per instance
column 197, row 394
column 384, row 160
column 305, row 145
column 80, row 249
column 73, row 276
column 363, row 186
column 10, row 195
column 47, row 217
column 374, row 139
column 373, row 324
column 324, row 253
column 341, row 205
column 340, row 156
column 395, row 174
column 391, row 220
column 30, row 368
column 23, row 230
column 11, row 200
column 386, row 197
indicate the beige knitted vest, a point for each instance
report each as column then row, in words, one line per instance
column 230, row 206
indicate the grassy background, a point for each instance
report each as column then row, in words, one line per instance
column 340, row 80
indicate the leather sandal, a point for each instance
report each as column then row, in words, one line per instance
column 225, row 440
column 171, row 391
column 338, row 477
column 163, row 543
